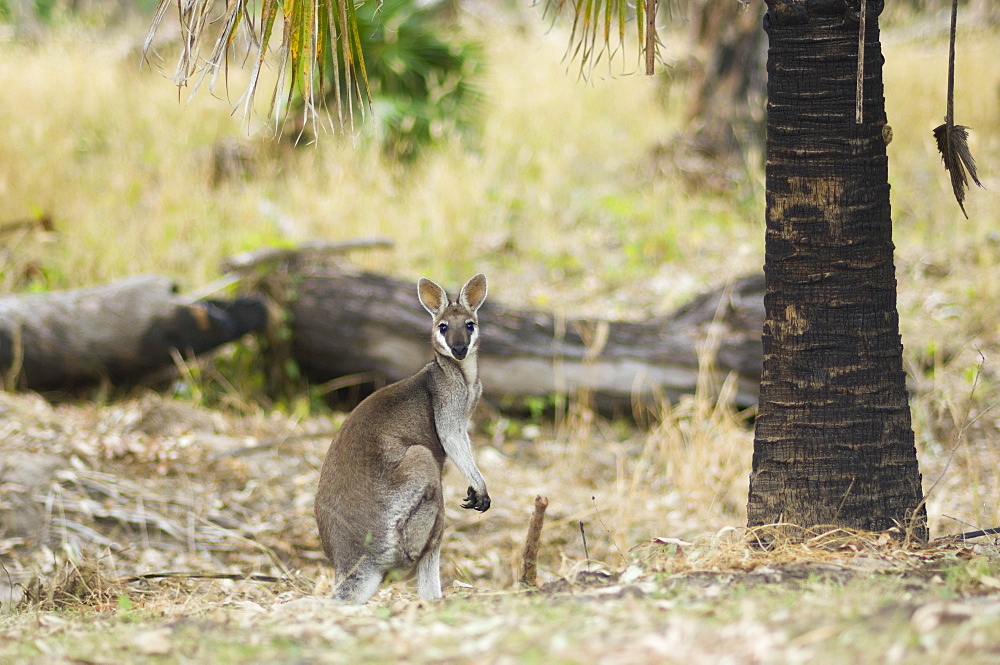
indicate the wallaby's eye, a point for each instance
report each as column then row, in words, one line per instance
column 443, row 327
column 470, row 326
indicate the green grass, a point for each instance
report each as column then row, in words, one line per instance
column 904, row 619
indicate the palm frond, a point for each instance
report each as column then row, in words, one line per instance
column 422, row 76
column 953, row 144
column 599, row 30
column 314, row 34
column 953, row 140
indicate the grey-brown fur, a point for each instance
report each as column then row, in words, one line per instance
column 379, row 504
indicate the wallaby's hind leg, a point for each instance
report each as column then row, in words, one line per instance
column 420, row 526
column 358, row 584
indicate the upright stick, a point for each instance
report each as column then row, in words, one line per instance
column 530, row 556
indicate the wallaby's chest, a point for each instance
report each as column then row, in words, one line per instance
column 458, row 403
column 454, row 407
column 472, row 398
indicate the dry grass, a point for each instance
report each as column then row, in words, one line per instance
column 547, row 195
column 558, row 206
column 947, row 269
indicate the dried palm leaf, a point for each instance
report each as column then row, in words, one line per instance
column 314, row 34
column 591, row 35
column 953, row 144
column 952, row 139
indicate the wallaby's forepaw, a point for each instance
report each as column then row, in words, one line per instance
column 474, row 499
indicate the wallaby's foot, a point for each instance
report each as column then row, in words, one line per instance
column 477, row 501
column 429, row 574
column 357, row 587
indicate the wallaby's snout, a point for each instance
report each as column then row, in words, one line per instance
column 379, row 504
column 459, row 341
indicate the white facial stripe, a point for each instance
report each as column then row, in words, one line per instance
column 455, row 334
column 441, row 342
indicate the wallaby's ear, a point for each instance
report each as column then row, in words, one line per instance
column 432, row 296
column 474, row 292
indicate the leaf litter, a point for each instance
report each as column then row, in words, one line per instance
column 147, row 505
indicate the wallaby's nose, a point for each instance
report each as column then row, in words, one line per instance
column 459, row 351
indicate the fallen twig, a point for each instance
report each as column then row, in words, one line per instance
column 41, row 223
column 239, row 577
column 254, row 260
column 969, row 535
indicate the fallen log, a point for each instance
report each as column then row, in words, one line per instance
column 346, row 324
column 120, row 331
column 367, row 324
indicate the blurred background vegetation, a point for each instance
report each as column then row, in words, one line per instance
column 617, row 196
column 620, row 195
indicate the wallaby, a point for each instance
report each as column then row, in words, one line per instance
column 380, row 504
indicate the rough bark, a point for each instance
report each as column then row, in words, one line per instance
column 834, row 443
column 343, row 324
column 119, row 331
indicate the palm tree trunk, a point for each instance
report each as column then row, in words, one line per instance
column 834, row 444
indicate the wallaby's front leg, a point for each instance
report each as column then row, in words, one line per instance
column 458, row 447
column 477, row 500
